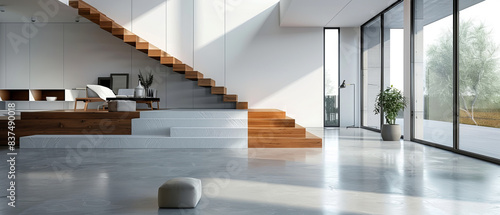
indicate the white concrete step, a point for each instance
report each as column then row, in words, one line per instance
column 208, row 132
column 128, row 141
column 161, row 126
column 196, row 114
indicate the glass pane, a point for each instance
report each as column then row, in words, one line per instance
column 479, row 79
column 371, row 72
column 433, row 71
column 394, row 53
column 331, row 77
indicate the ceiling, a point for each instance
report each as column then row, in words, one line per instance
column 23, row 10
column 329, row 13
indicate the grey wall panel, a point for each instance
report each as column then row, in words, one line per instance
column 2, row 56
column 17, row 51
column 90, row 52
column 46, row 58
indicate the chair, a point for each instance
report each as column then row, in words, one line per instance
column 95, row 93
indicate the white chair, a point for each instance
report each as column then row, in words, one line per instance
column 96, row 93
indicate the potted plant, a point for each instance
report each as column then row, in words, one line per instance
column 146, row 81
column 390, row 102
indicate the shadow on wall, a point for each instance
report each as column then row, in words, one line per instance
column 276, row 67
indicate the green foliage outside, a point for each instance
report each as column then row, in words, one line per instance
column 479, row 73
column 390, row 101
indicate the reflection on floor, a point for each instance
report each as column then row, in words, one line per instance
column 354, row 173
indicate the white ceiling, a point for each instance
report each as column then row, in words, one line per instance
column 23, row 10
column 329, row 13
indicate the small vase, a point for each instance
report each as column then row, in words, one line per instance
column 139, row 91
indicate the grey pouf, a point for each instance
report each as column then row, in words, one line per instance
column 179, row 193
column 121, row 106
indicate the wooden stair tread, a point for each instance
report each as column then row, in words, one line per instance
column 297, row 131
column 266, row 113
column 206, row 82
column 230, row 98
column 193, row 75
column 270, row 122
column 219, row 90
column 310, row 141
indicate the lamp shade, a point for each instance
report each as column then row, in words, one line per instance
column 342, row 85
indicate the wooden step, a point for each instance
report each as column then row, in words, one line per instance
column 242, row 105
column 193, row 75
column 182, row 68
column 131, row 39
column 157, row 54
column 108, row 25
column 297, row 131
column 206, row 82
column 170, row 61
column 287, row 122
column 219, row 90
column 310, row 141
column 121, row 32
column 144, row 46
column 230, row 98
column 266, row 114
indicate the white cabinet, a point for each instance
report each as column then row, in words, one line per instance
column 46, row 58
column 17, row 55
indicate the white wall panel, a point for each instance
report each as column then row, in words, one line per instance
column 274, row 67
column 209, row 38
column 180, row 24
column 118, row 10
column 46, row 58
column 90, row 52
column 149, row 21
column 17, row 56
column 2, row 56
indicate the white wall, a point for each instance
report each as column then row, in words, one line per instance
column 241, row 46
column 238, row 43
column 349, row 71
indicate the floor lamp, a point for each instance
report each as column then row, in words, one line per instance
column 342, row 86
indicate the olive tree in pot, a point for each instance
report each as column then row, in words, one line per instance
column 390, row 102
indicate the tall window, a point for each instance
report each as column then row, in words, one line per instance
column 479, row 77
column 331, row 77
column 372, row 71
column 394, row 53
column 433, row 71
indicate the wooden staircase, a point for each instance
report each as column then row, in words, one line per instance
column 152, row 51
column 271, row 128
column 267, row 128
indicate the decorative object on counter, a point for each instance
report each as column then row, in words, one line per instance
column 51, row 98
column 139, row 91
column 146, row 81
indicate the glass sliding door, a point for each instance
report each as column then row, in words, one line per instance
column 433, row 71
column 331, row 77
column 394, row 53
column 371, row 71
column 479, row 77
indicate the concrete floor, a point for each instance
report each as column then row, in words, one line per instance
column 355, row 173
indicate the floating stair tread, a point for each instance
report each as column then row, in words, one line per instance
column 193, row 75
column 242, row 105
column 219, row 90
column 266, row 113
column 263, row 122
column 206, row 82
column 310, row 141
column 297, row 131
column 230, row 98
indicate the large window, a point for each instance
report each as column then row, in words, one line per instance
column 372, row 71
column 394, row 53
column 456, row 78
column 332, row 77
column 479, row 77
column 433, row 71
column 382, row 53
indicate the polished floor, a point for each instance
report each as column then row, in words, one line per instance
column 355, row 173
